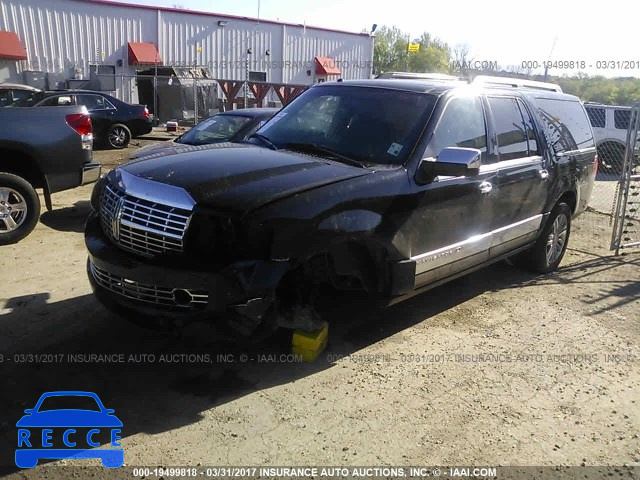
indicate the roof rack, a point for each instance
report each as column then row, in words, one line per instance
column 516, row 82
column 418, row 76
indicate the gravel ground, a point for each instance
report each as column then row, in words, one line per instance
column 497, row 368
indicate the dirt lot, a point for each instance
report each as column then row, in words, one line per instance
column 498, row 368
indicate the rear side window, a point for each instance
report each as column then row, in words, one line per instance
column 60, row 101
column 460, row 125
column 597, row 117
column 621, row 118
column 510, row 128
column 566, row 125
column 92, row 102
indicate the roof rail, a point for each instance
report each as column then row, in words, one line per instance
column 516, row 82
column 418, row 76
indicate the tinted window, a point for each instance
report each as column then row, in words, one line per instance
column 510, row 128
column 5, row 98
column 621, row 118
column 566, row 125
column 92, row 102
column 29, row 100
column 257, row 76
column 371, row 125
column 219, row 128
column 461, row 125
column 597, row 116
column 530, row 129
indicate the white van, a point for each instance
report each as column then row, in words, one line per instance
column 610, row 124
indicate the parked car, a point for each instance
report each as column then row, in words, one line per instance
column 115, row 122
column 231, row 126
column 13, row 92
column 388, row 186
column 610, row 124
column 47, row 148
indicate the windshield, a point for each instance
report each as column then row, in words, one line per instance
column 368, row 125
column 220, row 128
column 66, row 402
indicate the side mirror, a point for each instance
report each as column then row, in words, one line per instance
column 29, row 411
column 109, row 411
column 451, row 162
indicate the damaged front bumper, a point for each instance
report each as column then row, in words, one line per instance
column 179, row 288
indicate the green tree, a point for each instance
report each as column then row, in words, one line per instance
column 390, row 52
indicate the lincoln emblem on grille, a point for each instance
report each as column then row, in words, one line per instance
column 115, row 219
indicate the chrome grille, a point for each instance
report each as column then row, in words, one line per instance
column 142, row 226
column 174, row 297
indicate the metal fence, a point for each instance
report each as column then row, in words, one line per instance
column 626, row 215
column 191, row 95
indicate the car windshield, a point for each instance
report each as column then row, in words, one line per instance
column 220, row 128
column 361, row 124
column 69, row 402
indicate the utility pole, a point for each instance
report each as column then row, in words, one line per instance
column 408, row 42
column 546, row 67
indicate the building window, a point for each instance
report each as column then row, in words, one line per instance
column 257, row 76
column 103, row 77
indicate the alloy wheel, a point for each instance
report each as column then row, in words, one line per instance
column 556, row 239
column 117, row 137
column 13, row 210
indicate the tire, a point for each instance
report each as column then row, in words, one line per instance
column 19, row 208
column 548, row 251
column 118, row 136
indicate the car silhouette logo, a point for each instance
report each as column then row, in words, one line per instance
column 73, row 426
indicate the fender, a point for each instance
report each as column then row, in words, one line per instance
column 31, row 154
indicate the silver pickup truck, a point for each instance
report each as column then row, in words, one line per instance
column 48, row 148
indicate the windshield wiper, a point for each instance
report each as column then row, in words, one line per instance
column 314, row 148
column 264, row 140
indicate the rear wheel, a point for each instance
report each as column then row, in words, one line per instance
column 548, row 251
column 118, row 136
column 19, row 208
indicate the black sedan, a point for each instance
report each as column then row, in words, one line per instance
column 114, row 122
column 231, row 126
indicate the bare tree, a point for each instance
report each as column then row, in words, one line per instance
column 462, row 58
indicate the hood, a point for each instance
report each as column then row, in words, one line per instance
column 240, row 177
column 168, row 147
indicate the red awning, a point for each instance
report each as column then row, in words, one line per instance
column 11, row 47
column 143, row 53
column 326, row 66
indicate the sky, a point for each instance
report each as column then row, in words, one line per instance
column 495, row 30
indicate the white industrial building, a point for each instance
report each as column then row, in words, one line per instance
column 107, row 45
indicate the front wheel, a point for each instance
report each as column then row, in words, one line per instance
column 546, row 254
column 118, row 136
column 19, row 208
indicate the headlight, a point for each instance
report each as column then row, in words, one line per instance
column 97, row 192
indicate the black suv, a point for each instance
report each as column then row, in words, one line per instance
column 387, row 186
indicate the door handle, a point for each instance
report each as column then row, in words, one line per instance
column 543, row 174
column 485, row 187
